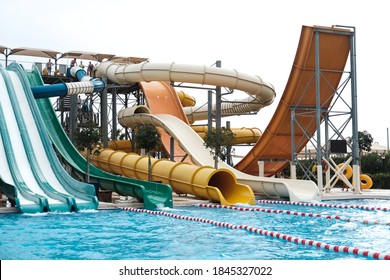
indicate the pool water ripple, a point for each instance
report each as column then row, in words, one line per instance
column 117, row 234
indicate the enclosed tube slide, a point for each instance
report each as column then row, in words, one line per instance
column 248, row 105
column 203, row 182
column 186, row 100
column 242, row 135
column 132, row 73
column 86, row 84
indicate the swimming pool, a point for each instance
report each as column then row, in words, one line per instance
column 166, row 235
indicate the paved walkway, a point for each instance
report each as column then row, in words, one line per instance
column 188, row 200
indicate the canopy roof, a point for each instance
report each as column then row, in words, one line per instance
column 35, row 52
column 128, row 60
column 80, row 55
column 71, row 54
column 2, row 49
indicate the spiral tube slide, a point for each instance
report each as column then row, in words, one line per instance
column 203, row 182
column 198, row 74
column 237, row 107
column 86, row 84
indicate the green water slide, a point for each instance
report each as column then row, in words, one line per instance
column 152, row 194
column 33, row 165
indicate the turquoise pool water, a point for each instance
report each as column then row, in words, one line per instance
column 119, row 234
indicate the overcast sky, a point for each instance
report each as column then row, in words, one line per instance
column 254, row 37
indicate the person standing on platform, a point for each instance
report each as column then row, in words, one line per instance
column 90, row 69
column 73, row 63
column 49, row 65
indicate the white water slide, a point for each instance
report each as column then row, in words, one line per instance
column 192, row 144
column 295, row 190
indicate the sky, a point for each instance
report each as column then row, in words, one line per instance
column 252, row 36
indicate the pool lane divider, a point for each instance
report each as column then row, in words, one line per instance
column 360, row 207
column 289, row 212
column 274, row 234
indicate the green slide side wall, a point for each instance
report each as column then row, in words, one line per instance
column 153, row 194
column 75, row 189
column 20, row 188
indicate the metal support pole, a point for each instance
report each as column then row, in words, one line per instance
column 318, row 110
column 103, row 110
column 114, row 113
column 126, row 106
column 210, row 110
column 261, row 168
column 229, row 148
column 73, row 116
column 218, row 102
column 293, row 167
column 217, row 114
column 172, row 148
column 355, row 141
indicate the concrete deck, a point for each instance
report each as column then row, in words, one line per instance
column 119, row 202
column 337, row 193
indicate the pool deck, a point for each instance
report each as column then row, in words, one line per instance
column 118, row 201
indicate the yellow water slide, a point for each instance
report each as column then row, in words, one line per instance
column 243, row 135
column 205, row 182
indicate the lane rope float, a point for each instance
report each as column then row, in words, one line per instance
column 360, row 207
column 289, row 212
column 274, row 234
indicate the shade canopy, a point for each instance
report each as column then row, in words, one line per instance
column 45, row 53
column 3, row 49
column 35, row 52
column 79, row 55
column 127, row 60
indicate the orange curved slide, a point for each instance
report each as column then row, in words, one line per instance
column 275, row 143
column 161, row 100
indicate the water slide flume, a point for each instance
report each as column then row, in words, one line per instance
column 243, row 135
column 31, row 172
column 295, row 190
column 263, row 92
column 193, row 145
column 152, row 194
column 205, row 182
column 86, row 84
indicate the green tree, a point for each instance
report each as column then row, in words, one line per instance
column 147, row 137
column 364, row 141
column 219, row 142
column 86, row 137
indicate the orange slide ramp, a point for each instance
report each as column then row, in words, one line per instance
column 163, row 99
column 275, row 143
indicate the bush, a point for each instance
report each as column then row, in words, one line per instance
column 380, row 180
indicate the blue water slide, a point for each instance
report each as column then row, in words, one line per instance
column 86, row 84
